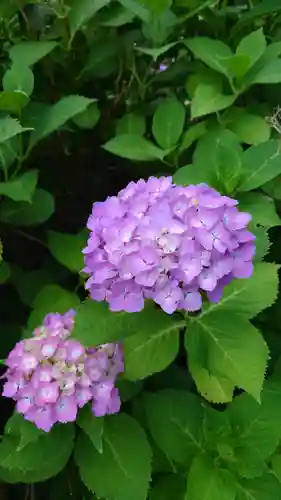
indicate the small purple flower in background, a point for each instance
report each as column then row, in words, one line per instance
column 167, row 243
column 51, row 376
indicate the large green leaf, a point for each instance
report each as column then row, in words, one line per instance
column 33, row 213
column 270, row 73
column 40, row 459
column 52, row 298
column 224, row 165
column 134, row 147
column 260, row 164
column 92, row 426
column 214, row 53
column 175, row 421
column 208, row 99
column 23, row 430
column 253, row 46
column 234, row 349
column 249, row 128
column 257, row 426
column 153, row 346
column 22, row 188
column 95, row 324
column 214, row 388
column 207, row 482
column 266, row 487
column 248, row 297
column 82, row 11
column 131, row 123
column 168, row 122
column 122, row 471
column 192, row 134
column 67, row 249
column 29, row 52
column 53, row 117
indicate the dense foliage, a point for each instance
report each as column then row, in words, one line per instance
column 97, row 94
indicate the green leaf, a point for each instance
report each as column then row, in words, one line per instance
column 213, row 53
column 29, row 283
column 193, row 174
column 157, row 6
column 266, row 487
column 168, row 123
column 116, row 15
column 128, row 390
column 30, row 52
column 224, row 153
column 13, row 102
column 67, row 249
column 122, row 471
column 93, row 427
column 208, row 99
column 192, row 134
column 22, row 188
column 134, row 147
column 175, row 421
column 249, row 128
column 253, row 46
column 214, row 388
column 217, row 432
column 88, row 118
column 256, row 426
column 40, row 459
column 250, row 296
column 261, row 207
column 9, row 127
column 50, row 120
column 263, row 8
column 171, row 486
column 156, row 52
column 273, row 188
column 262, row 242
column 82, row 11
column 95, row 324
column 23, row 430
column 18, row 79
column 270, row 73
column 239, row 65
column 206, row 481
column 154, row 345
column 38, row 210
column 51, row 298
column 136, row 8
column 5, row 271
column 260, row 164
column 276, row 465
column 131, row 123
column 234, row 349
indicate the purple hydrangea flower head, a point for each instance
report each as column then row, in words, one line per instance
column 172, row 244
column 51, row 376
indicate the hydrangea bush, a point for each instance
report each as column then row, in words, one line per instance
column 140, row 242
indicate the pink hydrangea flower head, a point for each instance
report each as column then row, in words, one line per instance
column 168, row 243
column 51, row 376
